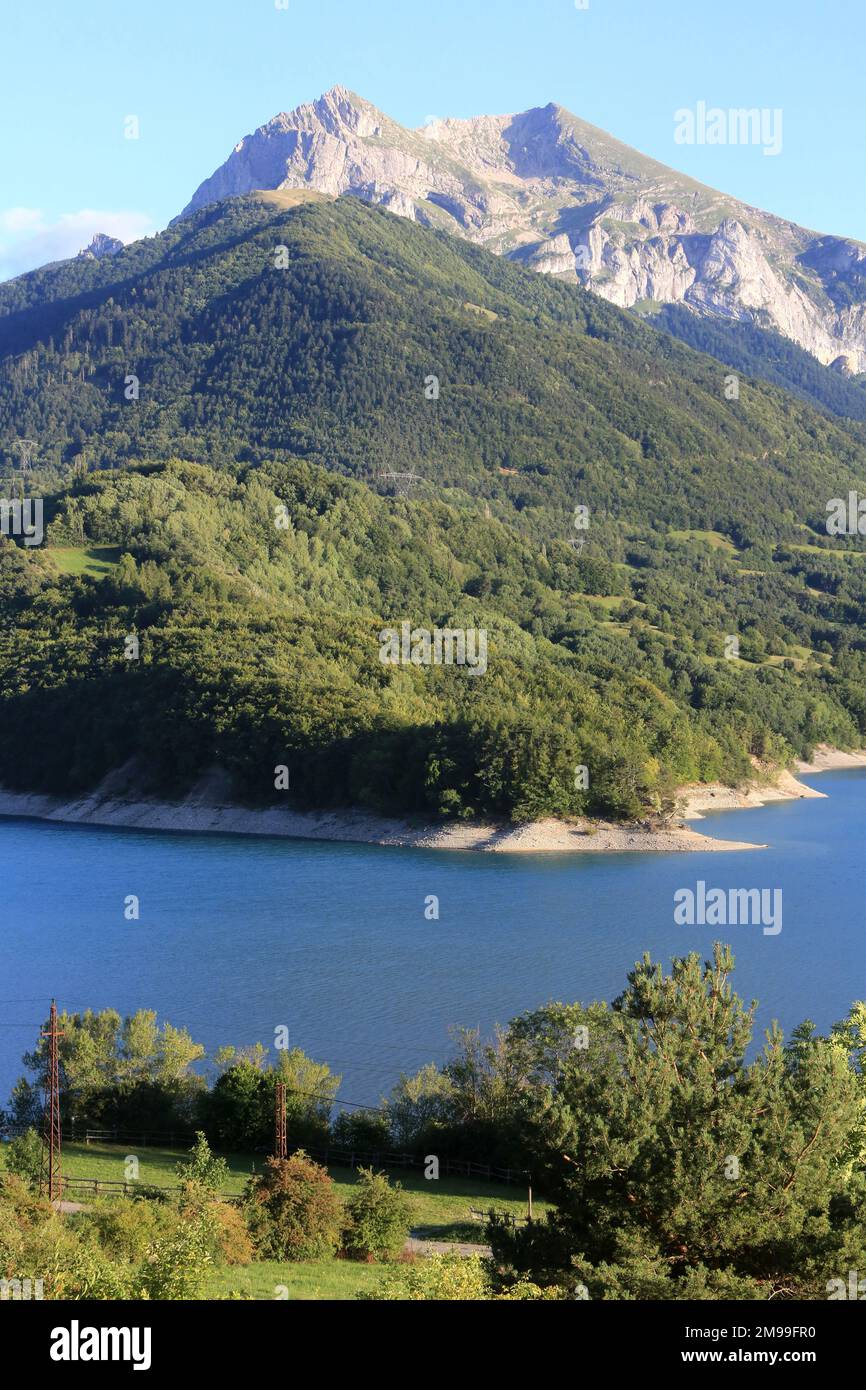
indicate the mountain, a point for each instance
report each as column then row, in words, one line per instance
column 223, row 415
column 543, row 388
column 566, row 199
column 101, row 245
column 761, row 352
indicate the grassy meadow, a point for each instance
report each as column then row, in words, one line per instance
column 441, row 1212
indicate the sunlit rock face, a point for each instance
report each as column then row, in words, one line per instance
column 566, row 199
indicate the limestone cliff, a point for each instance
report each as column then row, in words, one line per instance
column 567, row 199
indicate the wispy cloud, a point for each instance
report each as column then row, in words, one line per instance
column 30, row 238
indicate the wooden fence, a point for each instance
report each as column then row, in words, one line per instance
column 482, row 1214
column 330, row 1154
column 149, row 1138
column 103, row 1187
column 459, row 1167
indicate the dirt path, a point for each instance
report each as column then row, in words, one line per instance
column 445, row 1247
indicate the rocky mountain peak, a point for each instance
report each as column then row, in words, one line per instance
column 568, row 199
column 339, row 112
column 101, row 245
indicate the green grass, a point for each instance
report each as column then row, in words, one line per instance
column 106, row 1162
column 95, row 560
column 441, row 1211
column 479, row 309
column 441, row 1208
column 340, row 1280
column 714, row 539
column 609, row 601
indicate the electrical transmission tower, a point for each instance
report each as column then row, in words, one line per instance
column 401, row 482
column 280, row 1146
column 25, row 449
column 52, row 1178
column 20, row 452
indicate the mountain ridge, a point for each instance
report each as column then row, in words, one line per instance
column 568, row 199
column 222, row 415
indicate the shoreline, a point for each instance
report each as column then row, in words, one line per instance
column 205, row 811
column 199, row 816
column 715, row 796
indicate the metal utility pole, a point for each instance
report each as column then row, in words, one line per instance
column 51, row 1139
column 401, row 482
column 25, row 449
column 280, row 1146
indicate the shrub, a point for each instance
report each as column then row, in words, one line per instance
column 526, row 1291
column 452, row 1278
column 126, row 1230
column 293, row 1211
column 19, row 1199
column 363, row 1129
column 230, row 1241
column 24, row 1157
column 436, row 1277
column 11, row 1243
column 83, row 1271
column 233, row 1243
column 176, row 1263
column 203, row 1168
column 148, row 1192
column 63, row 1254
column 20, row 1212
column 379, row 1216
column 122, row 1250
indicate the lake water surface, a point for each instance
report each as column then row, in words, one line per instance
column 239, row 935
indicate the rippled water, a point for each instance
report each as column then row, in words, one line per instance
column 238, row 936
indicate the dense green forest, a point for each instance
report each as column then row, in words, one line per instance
column 761, row 352
column 232, row 519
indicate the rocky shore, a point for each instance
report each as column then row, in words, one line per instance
column 206, row 810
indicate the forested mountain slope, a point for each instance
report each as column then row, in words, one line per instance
column 327, row 359
column 232, row 518
column 762, row 353
column 571, row 201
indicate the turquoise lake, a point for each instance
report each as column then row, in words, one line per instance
column 238, row 936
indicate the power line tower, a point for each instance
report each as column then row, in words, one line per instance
column 25, row 449
column 402, row 483
column 51, row 1158
column 280, row 1146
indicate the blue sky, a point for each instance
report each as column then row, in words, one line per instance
column 200, row 74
